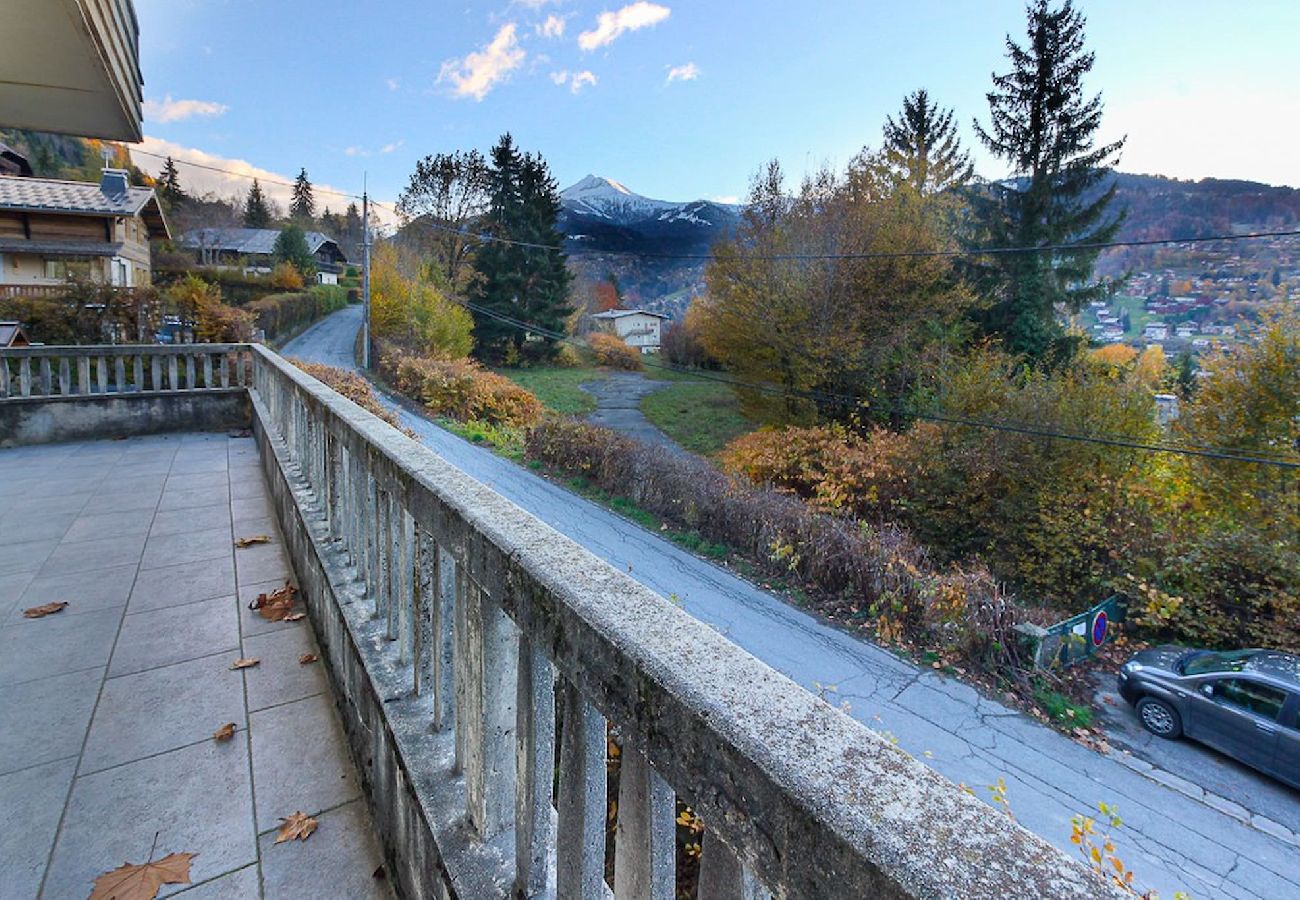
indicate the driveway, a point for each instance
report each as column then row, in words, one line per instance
column 618, row 407
column 1172, row 837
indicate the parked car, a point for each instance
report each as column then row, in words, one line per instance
column 1245, row 703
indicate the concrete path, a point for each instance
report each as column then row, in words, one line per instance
column 1174, row 837
column 618, row 408
column 107, row 709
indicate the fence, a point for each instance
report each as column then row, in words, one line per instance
column 472, row 645
column 121, row 369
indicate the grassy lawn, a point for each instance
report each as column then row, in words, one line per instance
column 558, row 389
column 702, row 416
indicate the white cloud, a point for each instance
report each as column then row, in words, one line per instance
column 575, row 80
column 725, row 198
column 169, row 110
column 355, row 151
column 393, row 84
column 611, row 25
column 389, row 148
column 553, row 27
column 362, row 151
column 482, row 70
column 688, row 72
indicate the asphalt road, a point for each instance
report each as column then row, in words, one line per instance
column 1174, row 836
column 618, row 407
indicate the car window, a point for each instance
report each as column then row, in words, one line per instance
column 1257, row 698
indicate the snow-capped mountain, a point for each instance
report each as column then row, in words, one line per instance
column 595, row 201
column 606, row 198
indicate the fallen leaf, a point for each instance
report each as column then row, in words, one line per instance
column 255, row 539
column 224, row 733
column 45, row 609
column 298, row 827
column 276, row 605
column 246, row 663
column 295, row 617
column 240, row 434
column 141, row 881
column 307, row 658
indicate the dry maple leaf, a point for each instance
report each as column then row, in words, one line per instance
column 45, row 609
column 255, row 539
column 298, row 827
column 276, row 605
column 140, row 881
column 245, row 663
column 307, row 659
column 294, row 617
column 224, row 733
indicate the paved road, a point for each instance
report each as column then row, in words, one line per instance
column 1172, row 836
column 618, row 407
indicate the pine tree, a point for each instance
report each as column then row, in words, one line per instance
column 1044, row 127
column 257, row 214
column 523, row 283
column 302, row 208
column 922, row 147
column 169, row 185
column 291, row 247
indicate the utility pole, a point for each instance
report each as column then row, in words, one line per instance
column 365, row 274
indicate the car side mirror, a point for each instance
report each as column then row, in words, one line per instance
column 1207, row 690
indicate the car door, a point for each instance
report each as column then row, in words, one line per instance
column 1286, row 759
column 1238, row 716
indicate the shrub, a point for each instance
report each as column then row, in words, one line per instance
column 459, row 389
column 614, row 352
column 279, row 314
column 352, row 386
column 215, row 321
column 332, row 297
column 285, row 277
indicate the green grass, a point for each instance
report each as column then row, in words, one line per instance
column 558, row 389
column 702, row 416
column 1061, row 709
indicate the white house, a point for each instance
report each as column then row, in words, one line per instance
column 1156, row 331
column 637, row 327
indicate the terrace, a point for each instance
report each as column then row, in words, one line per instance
column 474, row 666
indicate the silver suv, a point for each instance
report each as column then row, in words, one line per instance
column 1245, row 703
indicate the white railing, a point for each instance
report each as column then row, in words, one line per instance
column 79, row 371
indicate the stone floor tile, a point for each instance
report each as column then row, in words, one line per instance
column 199, row 463
column 105, row 525
column 54, row 484
column 184, row 583
column 242, row 884
column 250, row 620
column 196, row 481
column 299, row 759
column 121, row 501
column 11, row 589
column 197, row 799
column 251, row 508
column 27, row 505
column 162, row 709
column 135, row 467
column 87, row 556
column 83, row 591
column 247, row 487
column 46, row 719
column 174, row 634
column 187, row 499
column 25, row 557
column 281, row 678
column 116, row 483
column 32, row 801
column 25, row 528
column 262, row 562
column 191, row 546
column 39, row 648
column 265, row 526
column 175, row 521
column 339, row 860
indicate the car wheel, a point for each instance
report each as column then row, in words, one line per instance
column 1159, row 718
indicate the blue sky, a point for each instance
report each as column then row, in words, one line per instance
column 681, row 100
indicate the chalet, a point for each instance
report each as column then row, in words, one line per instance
column 51, row 229
column 637, row 327
column 1156, row 331
column 254, row 248
column 12, row 335
column 1186, row 330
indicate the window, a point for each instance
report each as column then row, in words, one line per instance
column 65, row 267
column 1257, row 698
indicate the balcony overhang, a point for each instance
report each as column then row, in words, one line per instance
column 72, row 67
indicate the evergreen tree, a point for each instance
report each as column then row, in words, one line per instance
column 257, row 214
column 169, row 185
column 302, row 208
column 522, row 282
column 922, row 147
column 291, row 247
column 1044, row 127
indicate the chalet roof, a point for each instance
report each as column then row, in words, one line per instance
column 12, row 335
column 60, row 248
column 112, row 196
column 621, row 313
column 249, row 241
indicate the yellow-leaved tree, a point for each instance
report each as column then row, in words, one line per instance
column 413, row 313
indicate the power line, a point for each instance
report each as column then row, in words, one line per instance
column 257, row 178
column 1202, row 451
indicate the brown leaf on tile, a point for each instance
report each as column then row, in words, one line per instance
column 246, row 663
column 276, row 605
column 240, row 434
column 255, row 539
column 224, row 733
column 295, row 617
column 45, row 609
column 307, row 659
column 297, row 827
column 141, row 881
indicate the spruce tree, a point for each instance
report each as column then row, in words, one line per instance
column 922, row 147
column 302, row 208
column 524, row 283
column 169, row 185
column 1044, row 127
column 257, row 214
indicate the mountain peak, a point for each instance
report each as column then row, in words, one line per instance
column 598, row 183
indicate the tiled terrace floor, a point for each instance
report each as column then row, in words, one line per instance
column 107, row 709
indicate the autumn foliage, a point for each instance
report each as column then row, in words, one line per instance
column 614, row 352
column 350, row 385
column 460, row 389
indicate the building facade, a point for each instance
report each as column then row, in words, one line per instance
column 254, row 248
column 637, row 327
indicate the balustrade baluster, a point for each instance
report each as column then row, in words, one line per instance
column 137, row 371
column 423, row 601
column 119, row 374
column 155, row 373
column 172, row 370
column 444, row 645
column 645, row 853
column 405, row 595
column 65, row 376
column 491, row 651
column 723, row 876
column 223, row 366
column 189, row 372
column 25, row 377
column 535, row 769
column 4, row 377
column 580, row 840
column 460, row 678
column 47, row 386
column 101, row 374
column 83, row 375
column 241, row 375
column 207, row 370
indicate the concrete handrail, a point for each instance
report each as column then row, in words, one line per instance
column 488, row 614
column 65, row 371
